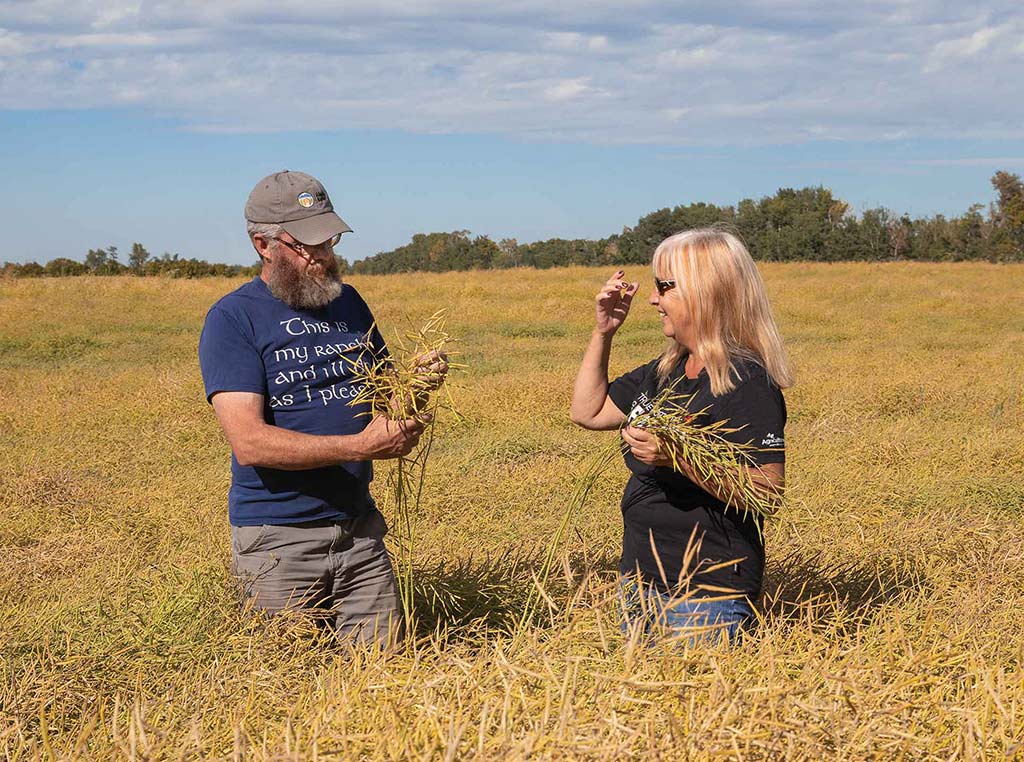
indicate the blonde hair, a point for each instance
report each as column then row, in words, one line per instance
column 727, row 304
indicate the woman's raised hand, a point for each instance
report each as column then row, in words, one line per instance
column 613, row 302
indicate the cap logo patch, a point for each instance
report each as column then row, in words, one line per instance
column 306, row 200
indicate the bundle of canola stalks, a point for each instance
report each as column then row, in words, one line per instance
column 401, row 387
column 721, row 463
column 397, row 386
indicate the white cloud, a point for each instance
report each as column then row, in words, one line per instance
column 13, row 44
column 574, row 41
column 567, row 89
column 994, row 162
column 965, row 47
column 108, row 40
column 692, row 58
column 607, row 72
column 115, row 14
column 954, row 50
column 905, row 166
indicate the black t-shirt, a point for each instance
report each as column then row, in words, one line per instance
column 661, row 503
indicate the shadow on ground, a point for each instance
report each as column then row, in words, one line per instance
column 795, row 583
column 490, row 593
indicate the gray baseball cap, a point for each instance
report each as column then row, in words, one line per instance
column 298, row 203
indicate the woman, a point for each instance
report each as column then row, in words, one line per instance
column 691, row 557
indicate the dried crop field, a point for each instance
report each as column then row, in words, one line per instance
column 894, row 605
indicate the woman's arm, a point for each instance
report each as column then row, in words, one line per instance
column 591, row 406
column 648, row 448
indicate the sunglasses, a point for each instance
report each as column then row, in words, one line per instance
column 303, row 250
column 663, row 286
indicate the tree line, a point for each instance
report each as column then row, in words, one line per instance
column 140, row 262
column 808, row 224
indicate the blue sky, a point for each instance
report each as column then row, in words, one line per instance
column 150, row 121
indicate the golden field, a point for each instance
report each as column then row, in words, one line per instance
column 894, row 607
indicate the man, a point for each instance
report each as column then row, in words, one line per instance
column 277, row 356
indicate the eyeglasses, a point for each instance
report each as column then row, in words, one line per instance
column 663, row 286
column 303, row 249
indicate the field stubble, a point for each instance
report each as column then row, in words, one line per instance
column 893, row 607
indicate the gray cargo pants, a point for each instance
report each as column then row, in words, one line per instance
column 339, row 571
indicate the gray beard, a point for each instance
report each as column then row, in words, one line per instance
column 304, row 290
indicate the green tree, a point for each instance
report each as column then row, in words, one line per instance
column 874, row 233
column 95, row 259
column 138, row 257
column 63, row 266
column 901, row 232
column 1008, row 217
column 508, row 253
column 29, row 270
column 111, row 266
column 970, row 237
column 484, row 253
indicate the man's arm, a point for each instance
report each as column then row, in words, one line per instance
column 257, row 443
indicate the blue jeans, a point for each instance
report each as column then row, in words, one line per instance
column 692, row 620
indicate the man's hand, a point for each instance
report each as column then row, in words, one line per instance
column 646, row 447
column 384, row 438
column 257, row 443
column 431, row 369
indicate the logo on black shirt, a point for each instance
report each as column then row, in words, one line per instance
column 641, row 406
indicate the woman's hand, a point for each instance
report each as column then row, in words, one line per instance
column 646, row 447
column 613, row 303
column 591, row 406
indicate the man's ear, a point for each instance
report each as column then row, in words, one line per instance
column 262, row 246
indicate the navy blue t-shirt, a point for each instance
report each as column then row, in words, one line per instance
column 664, row 509
column 301, row 361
